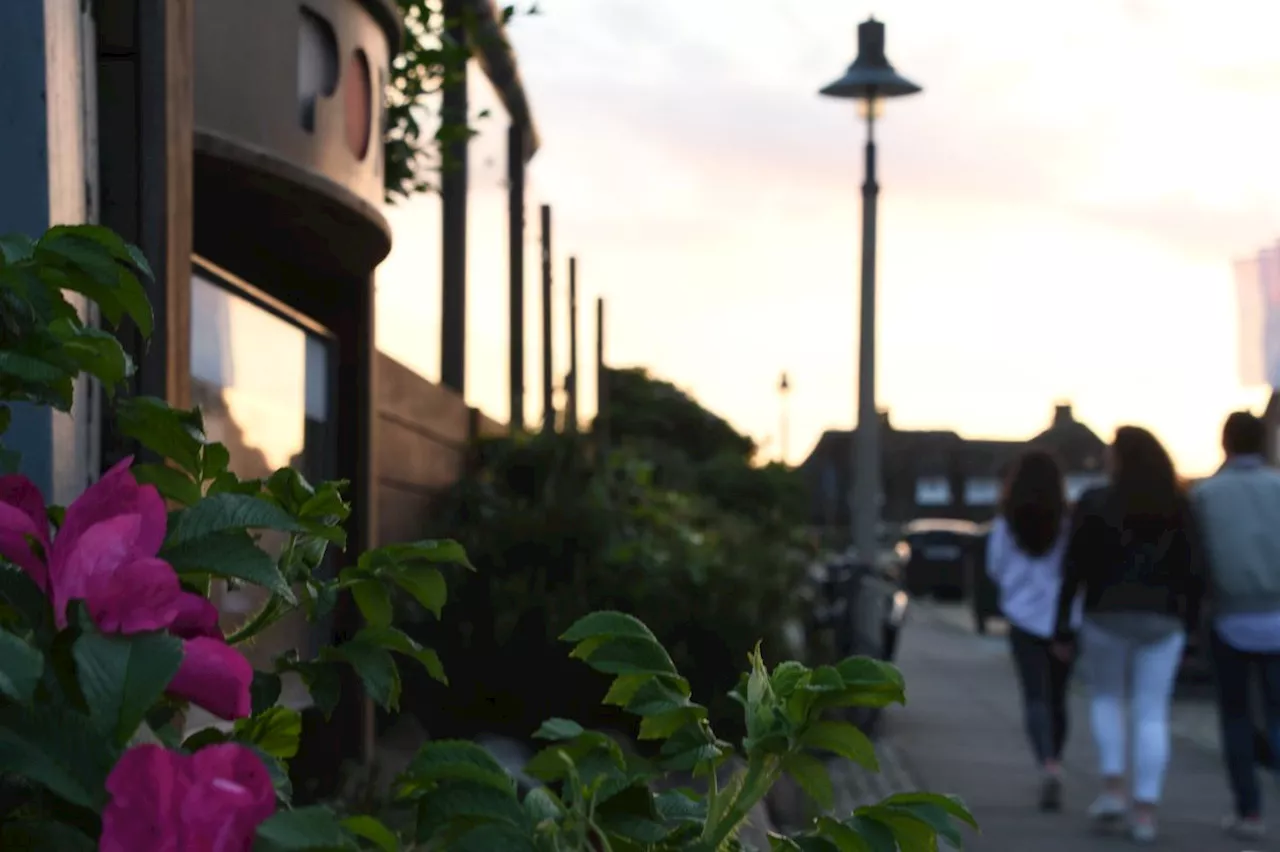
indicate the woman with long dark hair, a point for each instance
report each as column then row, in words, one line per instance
column 1135, row 554
column 1024, row 559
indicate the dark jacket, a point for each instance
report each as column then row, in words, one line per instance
column 1100, row 562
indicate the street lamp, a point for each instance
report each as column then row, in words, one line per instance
column 784, row 388
column 869, row 81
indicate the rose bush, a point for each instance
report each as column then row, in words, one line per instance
column 108, row 636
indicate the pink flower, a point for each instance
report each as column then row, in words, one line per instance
column 215, row 676
column 167, row 801
column 105, row 555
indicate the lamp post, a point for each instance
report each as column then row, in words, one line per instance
column 784, row 389
column 869, row 81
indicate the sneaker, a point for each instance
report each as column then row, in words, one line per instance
column 1107, row 810
column 1051, row 793
column 1244, row 828
column 1143, row 829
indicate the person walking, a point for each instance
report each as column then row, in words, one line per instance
column 1135, row 553
column 1024, row 560
column 1238, row 510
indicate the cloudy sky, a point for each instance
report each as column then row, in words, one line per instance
column 1060, row 209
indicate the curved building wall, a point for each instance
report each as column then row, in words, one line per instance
column 300, row 81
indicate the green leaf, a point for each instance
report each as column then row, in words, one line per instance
column 812, row 777
column 26, row 599
column 457, row 760
column 275, row 731
column 559, row 729
column 94, row 351
column 97, row 255
column 16, row 247
column 214, row 461
column 469, row 802
column 172, row 483
column 231, row 554
column 953, row 806
column 374, row 600
column 432, row 552
column 608, row 624
column 313, row 829
column 878, row 836
column 427, row 586
column 626, row 655
column 123, row 676
column 373, row 831
column 396, row 640
column 264, row 692
column 173, row 434
column 57, row 749
column 843, row 739
column 909, row 832
column 220, row 513
column 21, row 667
column 376, row 668
column 541, row 805
column 844, row 837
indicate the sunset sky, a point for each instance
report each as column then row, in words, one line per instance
column 1060, row 210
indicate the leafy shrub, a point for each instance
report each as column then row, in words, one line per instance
column 557, row 534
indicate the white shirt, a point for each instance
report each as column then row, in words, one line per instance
column 1029, row 585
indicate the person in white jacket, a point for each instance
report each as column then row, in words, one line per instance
column 1024, row 559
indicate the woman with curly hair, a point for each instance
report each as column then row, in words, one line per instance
column 1024, row 559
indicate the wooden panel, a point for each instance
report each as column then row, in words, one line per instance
column 415, row 460
column 407, row 397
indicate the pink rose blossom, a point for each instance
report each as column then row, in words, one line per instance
column 105, row 555
column 215, row 676
column 167, row 801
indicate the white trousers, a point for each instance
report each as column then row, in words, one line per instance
column 1117, row 666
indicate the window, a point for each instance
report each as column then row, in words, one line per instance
column 358, row 104
column 317, row 65
column 981, row 491
column 263, row 381
column 933, row 491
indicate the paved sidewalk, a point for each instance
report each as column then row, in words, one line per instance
column 961, row 733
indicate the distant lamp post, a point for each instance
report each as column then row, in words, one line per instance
column 784, row 417
column 869, row 81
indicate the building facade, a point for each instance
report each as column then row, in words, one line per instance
column 239, row 144
column 940, row 474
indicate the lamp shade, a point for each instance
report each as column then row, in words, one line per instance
column 871, row 75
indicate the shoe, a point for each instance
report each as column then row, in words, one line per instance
column 1244, row 828
column 1143, row 829
column 1107, row 811
column 1051, row 793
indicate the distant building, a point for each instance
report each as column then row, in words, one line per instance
column 939, row 474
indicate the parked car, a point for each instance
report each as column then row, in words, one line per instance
column 941, row 559
column 984, row 595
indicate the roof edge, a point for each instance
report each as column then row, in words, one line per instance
column 497, row 57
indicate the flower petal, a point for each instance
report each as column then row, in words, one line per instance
column 138, row 596
column 197, row 616
column 17, row 533
column 22, row 494
column 116, row 493
column 146, row 786
column 215, row 676
column 102, row 549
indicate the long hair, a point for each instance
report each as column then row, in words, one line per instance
column 1144, row 483
column 1034, row 503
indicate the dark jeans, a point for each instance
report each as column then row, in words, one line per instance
column 1043, row 678
column 1234, row 671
